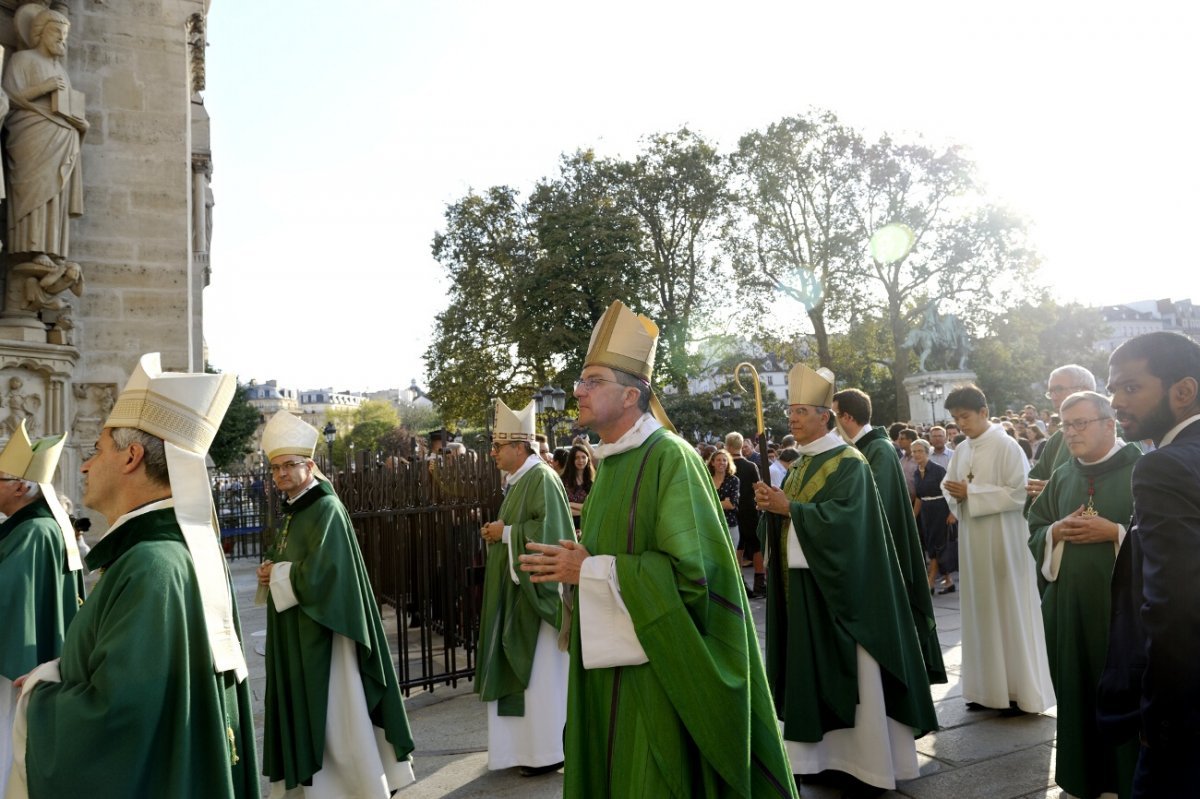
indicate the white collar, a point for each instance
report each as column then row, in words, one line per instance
column 992, row 431
column 822, row 444
column 1176, row 430
column 159, row 504
column 633, row 438
column 866, row 428
column 1117, row 447
column 530, row 462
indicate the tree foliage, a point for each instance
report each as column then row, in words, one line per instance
column 1027, row 342
column 682, row 233
column 233, row 441
column 815, row 191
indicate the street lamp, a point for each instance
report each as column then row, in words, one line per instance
column 550, row 402
column 931, row 392
column 330, row 434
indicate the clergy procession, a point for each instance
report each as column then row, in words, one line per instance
column 625, row 653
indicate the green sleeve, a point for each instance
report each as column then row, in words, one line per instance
column 547, row 520
column 37, row 600
column 324, row 554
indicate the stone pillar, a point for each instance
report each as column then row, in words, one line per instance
column 918, row 407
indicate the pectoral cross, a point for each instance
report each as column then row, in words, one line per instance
column 1090, row 510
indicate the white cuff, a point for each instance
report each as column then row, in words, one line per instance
column 506, row 537
column 281, row 586
column 18, row 786
column 1120, row 537
column 795, row 552
column 606, row 631
column 1052, row 555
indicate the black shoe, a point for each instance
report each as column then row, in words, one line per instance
column 949, row 590
column 974, row 707
column 1012, row 711
column 534, row 771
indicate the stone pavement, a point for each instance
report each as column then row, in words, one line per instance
column 973, row 756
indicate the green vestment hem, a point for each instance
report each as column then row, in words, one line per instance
column 330, row 581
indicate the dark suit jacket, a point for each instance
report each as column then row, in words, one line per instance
column 1151, row 679
column 747, row 475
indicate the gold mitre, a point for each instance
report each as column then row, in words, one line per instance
column 514, row 425
column 182, row 408
column 623, row 340
column 288, row 434
column 35, row 461
column 810, row 386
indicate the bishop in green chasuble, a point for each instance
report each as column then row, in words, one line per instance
column 843, row 656
column 140, row 710
column 520, row 670
column 327, row 649
column 696, row 719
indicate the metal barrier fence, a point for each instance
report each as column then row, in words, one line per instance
column 417, row 524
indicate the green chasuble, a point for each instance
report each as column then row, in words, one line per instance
column 1054, row 454
column 140, row 711
column 697, row 719
column 902, row 524
column 38, row 595
column 535, row 508
column 851, row 594
column 330, row 582
column 1075, row 608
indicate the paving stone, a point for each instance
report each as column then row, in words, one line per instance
column 987, row 739
column 1011, row 776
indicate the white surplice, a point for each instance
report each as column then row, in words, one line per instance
column 1003, row 636
column 358, row 762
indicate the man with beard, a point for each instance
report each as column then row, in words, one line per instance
column 1151, row 681
column 1076, row 526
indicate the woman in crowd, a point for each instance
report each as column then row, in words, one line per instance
column 936, row 519
column 577, row 478
column 725, row 480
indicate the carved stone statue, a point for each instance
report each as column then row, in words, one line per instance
column 21, row 407
column 945, row 334
column 45, row 186
column 45, row 132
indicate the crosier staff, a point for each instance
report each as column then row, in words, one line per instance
column 758, row 414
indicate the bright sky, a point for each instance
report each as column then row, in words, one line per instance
column 338, row 139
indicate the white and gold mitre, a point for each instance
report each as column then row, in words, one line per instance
column 185, row 409
column 288, row 434
column 623, row 340
column 810, row 386
column 514, row 425
column 182, row 408
column 34, row 461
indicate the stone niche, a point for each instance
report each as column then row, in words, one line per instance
column 74, row 326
